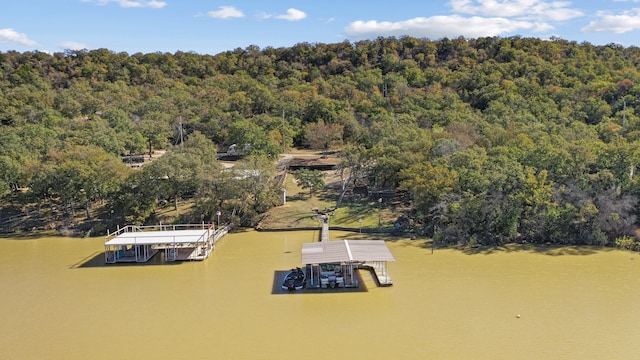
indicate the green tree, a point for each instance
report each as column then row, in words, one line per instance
column 309, row 179
column 217, row 190
column 136, row 199
column 155, row 129
column 174, row 175
column 245, row 132
column 260, row 190
column 84, row 175
column 10, row 174
column 427, row 184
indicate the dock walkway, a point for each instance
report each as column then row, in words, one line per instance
column 325, row 232
column 379, row 271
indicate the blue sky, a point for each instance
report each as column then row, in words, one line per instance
column 211, row 27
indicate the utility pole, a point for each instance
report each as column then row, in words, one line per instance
column 284, row 138
column 380, row 212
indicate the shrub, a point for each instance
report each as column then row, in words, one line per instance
column 628, row 243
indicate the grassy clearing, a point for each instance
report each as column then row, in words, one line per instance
column 355, row 211
column 167, row 213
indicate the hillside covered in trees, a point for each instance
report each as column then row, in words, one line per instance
column 494, row 140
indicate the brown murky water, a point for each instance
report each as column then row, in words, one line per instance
column 59, row 301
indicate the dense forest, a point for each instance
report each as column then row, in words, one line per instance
column 494, row 140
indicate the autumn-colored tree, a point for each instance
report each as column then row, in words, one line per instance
column 323, row 135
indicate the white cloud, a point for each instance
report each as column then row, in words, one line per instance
column 226, row 12
column 10, row 35
column 150, row 4
column 72, row 45
column 132, row 3
column 616, row 23
column 525, row 9
column 442, row 26
column 292, row 15
column 474, row 18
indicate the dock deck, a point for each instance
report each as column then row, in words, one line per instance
column 347, row 255
column 379, row 270
column 179, row 243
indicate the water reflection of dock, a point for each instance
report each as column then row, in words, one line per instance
column 179, row 242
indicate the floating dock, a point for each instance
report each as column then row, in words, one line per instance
column 332, row 263
column 179, row 242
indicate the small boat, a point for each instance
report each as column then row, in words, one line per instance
column 294, row 280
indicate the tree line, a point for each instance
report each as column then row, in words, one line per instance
column 494, row 139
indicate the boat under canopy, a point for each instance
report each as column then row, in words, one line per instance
column 333, row 262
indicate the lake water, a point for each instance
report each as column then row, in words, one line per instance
column 60, row 301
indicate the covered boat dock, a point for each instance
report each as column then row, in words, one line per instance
column 179, row 243
column 333, row 263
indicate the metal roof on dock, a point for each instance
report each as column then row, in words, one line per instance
column 345, row 250
column 159, row 237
